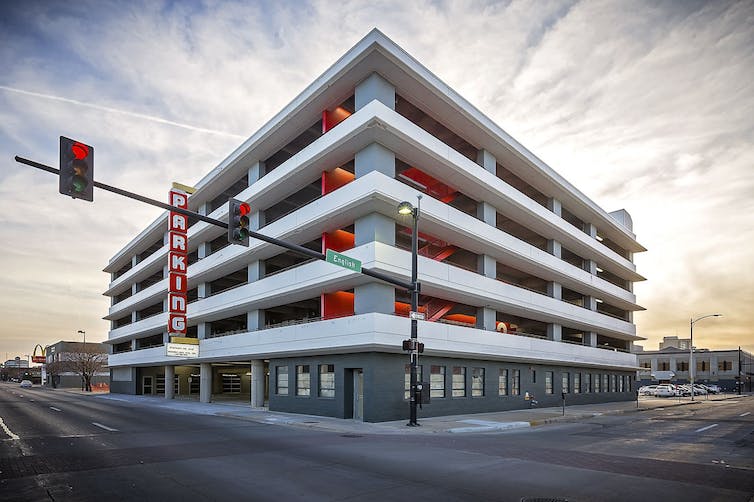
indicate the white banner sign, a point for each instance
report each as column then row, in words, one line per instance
column 181, row 350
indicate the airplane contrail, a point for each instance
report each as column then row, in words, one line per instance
column 122, row 112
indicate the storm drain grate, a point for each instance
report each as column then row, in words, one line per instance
column 543, row 499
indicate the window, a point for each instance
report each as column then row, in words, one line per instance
column 613, row 384
column 622, row 382
column 502, row 382
column 566, row 387
column 588, row 384
column 702, row 366
column 407, row 379
column 326, row 380
column 281, row 382
column 459, row 381
column 646, row 364
column 231, row 383
column 477, row 382
column 516, row 383
column 663, row 365
column 548, row 382
column 596, row 382
column 576, row 383
column 725, row 365
column 436, row 381
column 681, row 366
column 533, row 376
column 628, row 382
column 303, row 380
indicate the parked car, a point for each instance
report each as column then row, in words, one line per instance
column 25, row 383
column 714, row 389
column 665, row 390
column 647, row 390
column 700, row 390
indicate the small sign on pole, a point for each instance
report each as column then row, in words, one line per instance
column 342, row 260
column 419, row 316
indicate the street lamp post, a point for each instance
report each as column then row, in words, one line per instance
column 406, row 208
column 692, row 321
column 83, row 380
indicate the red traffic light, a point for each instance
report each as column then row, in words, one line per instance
column 244, row 209
column 79, row 150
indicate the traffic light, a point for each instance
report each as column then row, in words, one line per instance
column 238, row 222
column 76, row 169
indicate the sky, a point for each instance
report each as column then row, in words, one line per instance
column 643, row 106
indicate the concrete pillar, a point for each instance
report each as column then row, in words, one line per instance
column 374, row 157
column 555, row 206
column 487, row 161
column 374, row 227
column 590, row 229
column 590, row 303
column 203, row 250
column 590, row 266
column 169, row 382
column 256, row 171
column 202, row 330
column 133, row 344
column 487, row 213
column 554, row 332
column 205, row 382
column 486, row 318
column 374, row 297
column 555, row 290
column 255, row 320
column 374, row 87
column 257, row 383
column 555, row 248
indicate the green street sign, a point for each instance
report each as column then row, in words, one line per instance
column 342, row 260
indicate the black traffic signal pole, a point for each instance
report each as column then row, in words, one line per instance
column 309, row 253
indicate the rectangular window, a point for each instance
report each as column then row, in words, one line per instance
column 548, row 382
column 681, row 366
column 477, row 382
column 605, row 383
column 646, row 364
column 628, row 383
column 516, row 383
column 566, row 387
column 407, row 379
column 725, row 365
column 533, row 376
column 326, row 380
column 588, row 384
column 596, row 382
column 576, row 383
column 502, row 382
column 281, row 382
column 622, row 382
column 613, row 384
column 663, row 365
column 231, row 383
column 459, row 381
column 303, row 380
column 436, row 381
column 702, row 366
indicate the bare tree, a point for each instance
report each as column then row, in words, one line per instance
column 87, row 365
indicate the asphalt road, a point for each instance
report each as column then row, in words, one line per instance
column 61, row 446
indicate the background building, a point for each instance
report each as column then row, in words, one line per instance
column 527, row 285
column 65, row 362
column 721, row 367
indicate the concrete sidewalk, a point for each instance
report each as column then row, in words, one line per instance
column 455, row 424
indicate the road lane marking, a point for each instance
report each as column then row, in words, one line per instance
column 706, row 428
column 7, row 430
column 105, row 427
column 744, row 414
column 55, row 409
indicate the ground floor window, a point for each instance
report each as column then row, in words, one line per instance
column 303, row 380
column 605, row 383
column 622, row 383
column 160, row 384
column 193, row 384
column 548, row 382
column 437, row 381
column 566, row 384
column 326, row 380
column 459, row 381
column 588, row 384
column 516, row 383
column 281, row 380
column 477, row 382
column 502, row 382
column 576, row 383
column 407, row 379
column 596, row 382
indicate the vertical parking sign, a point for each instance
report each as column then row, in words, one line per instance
column 177, row 262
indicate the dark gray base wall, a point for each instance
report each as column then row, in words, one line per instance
column 123, row 386
column 384, row 380
column 727, row 384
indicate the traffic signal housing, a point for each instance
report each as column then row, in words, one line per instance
column 238, row 222
column 76, row 169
